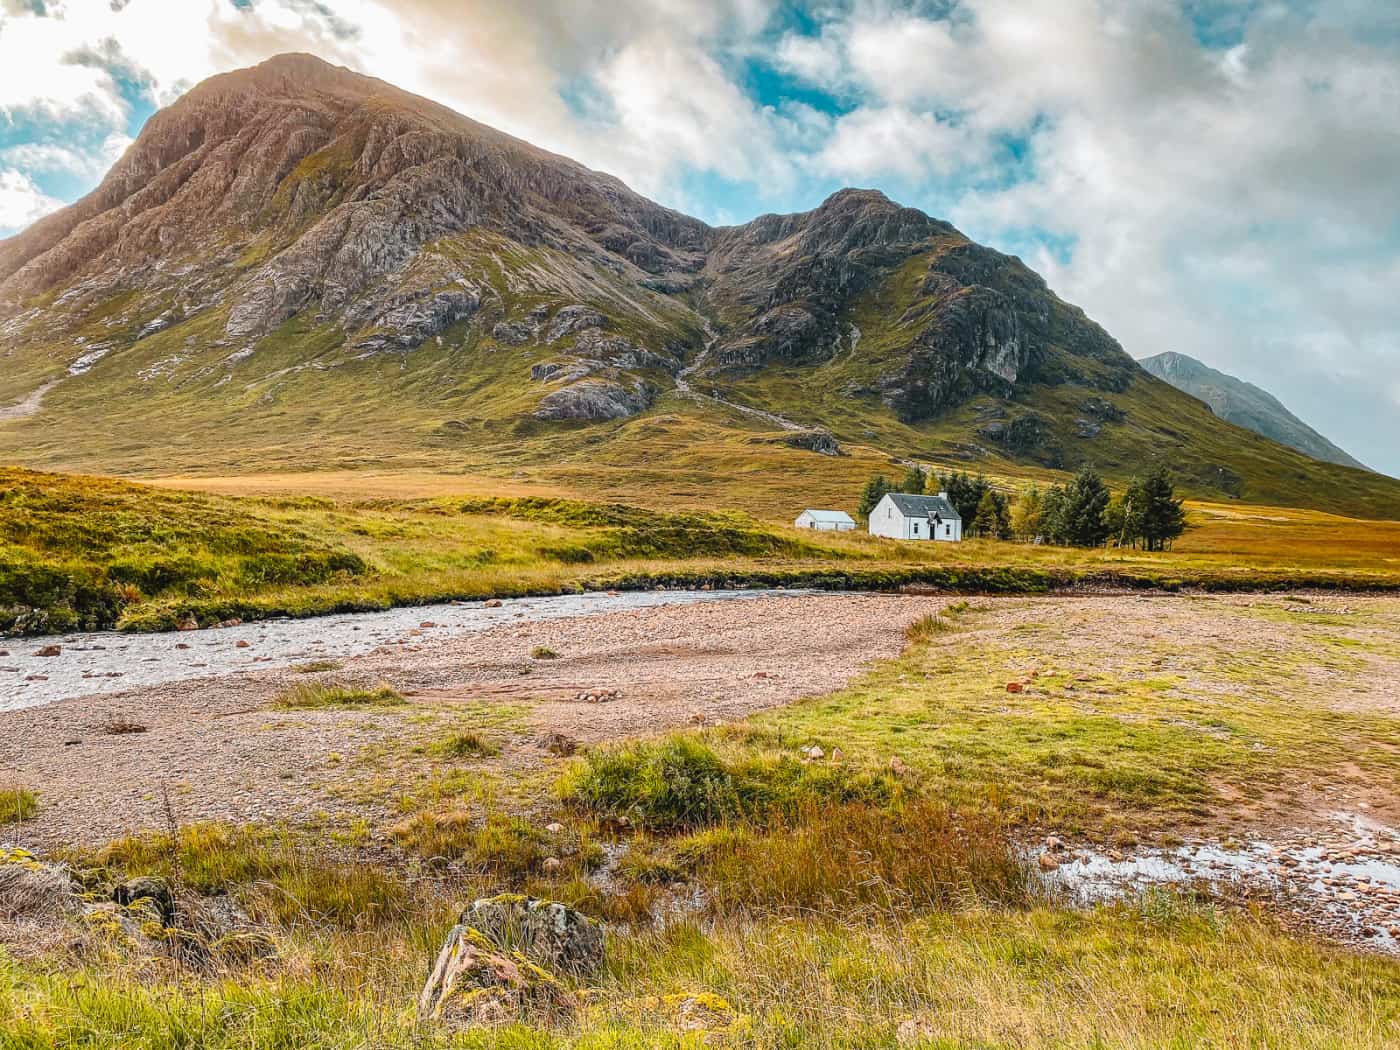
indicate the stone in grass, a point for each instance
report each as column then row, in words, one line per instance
column 34, row 890
column 557, row 743
column 156, row 892
column 492, row 970
column 551, row 934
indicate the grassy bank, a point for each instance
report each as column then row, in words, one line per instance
column 975, row 963
column 93, row 553
column 869, row 895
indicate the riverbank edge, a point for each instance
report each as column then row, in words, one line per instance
column 950, row 580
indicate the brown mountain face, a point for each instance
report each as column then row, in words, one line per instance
column 290, row 240
column 304, row 185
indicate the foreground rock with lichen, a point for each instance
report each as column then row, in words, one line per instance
column 508, row 958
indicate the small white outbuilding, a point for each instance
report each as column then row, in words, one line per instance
column 902, row 516
column 825, row 520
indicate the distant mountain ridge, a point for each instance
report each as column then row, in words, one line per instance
column 296, row 266
column 1245, row 405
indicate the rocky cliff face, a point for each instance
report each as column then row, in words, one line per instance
column 959, row 320
column 296, row 245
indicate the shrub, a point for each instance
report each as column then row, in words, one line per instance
column 313, row 695
column 468, row 744
column 508, row 848
column 925, row 627
column 680, row 784
column 16, row 804
column 543, row 652
column 676, row 783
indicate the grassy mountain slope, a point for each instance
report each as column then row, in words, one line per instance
column 296, row 267
column 1246, row 405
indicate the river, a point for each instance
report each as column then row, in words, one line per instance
column 111, row 662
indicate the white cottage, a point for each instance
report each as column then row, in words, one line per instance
column 825, row 520
column 901, row 516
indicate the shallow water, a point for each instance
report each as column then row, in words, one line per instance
column 110, row 662
column 1347, row 885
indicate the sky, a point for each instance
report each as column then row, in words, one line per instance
column 1214, row 177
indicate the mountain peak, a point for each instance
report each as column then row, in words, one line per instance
column 1244, row 404
column 299, row 246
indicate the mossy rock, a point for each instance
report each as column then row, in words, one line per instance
column 549, row 933
column 474, row 983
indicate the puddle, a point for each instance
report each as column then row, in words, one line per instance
column 110, row 662
column 1346, row 886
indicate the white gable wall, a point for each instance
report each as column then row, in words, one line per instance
column 888, row 521
column 805, row 520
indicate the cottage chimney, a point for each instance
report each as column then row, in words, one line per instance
column 943, row 495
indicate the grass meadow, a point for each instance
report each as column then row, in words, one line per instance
column 81, row 552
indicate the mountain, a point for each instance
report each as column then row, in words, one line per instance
column 298, row 267
column 1245, row 405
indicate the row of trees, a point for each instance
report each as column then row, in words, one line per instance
column 1080, row 513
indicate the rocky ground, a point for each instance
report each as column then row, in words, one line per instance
column 224, row 751
column 1325, row 848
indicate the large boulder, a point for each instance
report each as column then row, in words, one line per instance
column 503, row 961
column 551, row 934
column 594, row 400
column 155, row 892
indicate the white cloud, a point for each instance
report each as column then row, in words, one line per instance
column 1238, row 205
column 22, row 202
column 1235, row 203
column 896, row 141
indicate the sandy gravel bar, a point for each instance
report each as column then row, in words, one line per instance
column 225, row 752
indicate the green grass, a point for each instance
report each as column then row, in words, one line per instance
column 681, row 783
column 314, row 696
column 91, row 553
column 1133, row 977
column 466, row 744
column 17, row 804
column 317, row 667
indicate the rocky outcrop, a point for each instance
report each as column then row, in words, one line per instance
column 971, row 344
column 594, row 400
column 410, row 321
column 819, row 441
column 573, row 319
column 504, row 962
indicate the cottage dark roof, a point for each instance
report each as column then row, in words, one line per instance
column 924, row 506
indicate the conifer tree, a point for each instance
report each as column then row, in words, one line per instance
column 874, row 491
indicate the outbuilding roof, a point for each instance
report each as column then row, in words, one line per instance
column 834, row 516
column 912, row 506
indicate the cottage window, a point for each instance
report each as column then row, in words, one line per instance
column 916, row 528
column 949, row 527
